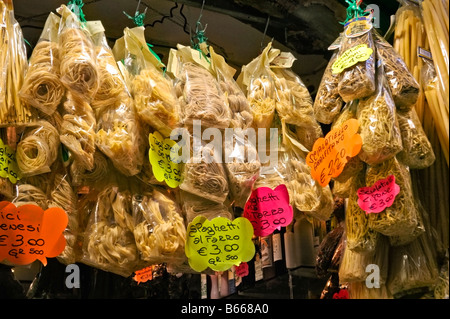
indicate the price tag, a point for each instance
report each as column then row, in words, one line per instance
column 165, row 159
column 350, row 57
column 218, row 243
column 242, row 270
column 330, row 154
column 28, row 233
column 358, row 26
column 8, row 163
column 376, row 198
column 268, row 209
column 144, row 275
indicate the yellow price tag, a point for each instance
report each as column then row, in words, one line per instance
column 165, row 159
column 358, row 53
column 219, row 243
column 8, row 163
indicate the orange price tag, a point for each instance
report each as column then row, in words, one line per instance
column 330, row 154
column 144, row 275
column 28, row 233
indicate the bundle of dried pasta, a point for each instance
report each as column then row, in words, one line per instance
column 412, row 268
column 97, row 175
column 294, row 106
column 204, row 175
column 360, row 237
column 63, row 195
column 328, row 102
column 354, row 264
column 78, row 63
column 258, row 85
column 107, row 245
column 159, row 228
column 42, row 87
column 359, row 290
column 13, row 67
column 119, row 136
column 357, row 81
column 194, row 206
column 111, row 83
column 381, row 138
column 306, row 194
column 402, row 217
column 30, row 194
column 242, row 166
column 152, row 89
column 38, row 148
column 417, row 150
column 77, row 131
column 241, row 114
column 201, row 98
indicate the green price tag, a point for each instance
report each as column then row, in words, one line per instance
column 8, row 164
column 219, row 243
column 165, row 159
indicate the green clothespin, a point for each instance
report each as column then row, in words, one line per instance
column 354, row 10
column 76, row 7
column 138, row 20
column 200, row 36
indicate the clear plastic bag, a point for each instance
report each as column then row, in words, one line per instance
column 42, row 87
column 357, row 81
column 13, row 67
column 194, row 206
column 404, row 87
column 159, row 228
column 326, row 250
column 38, row 148
column 401, row 218
column 417, row 150
column 328, row 103
column 77, row 131
column 294, row 106
column 108, row 243
column 381, row 137
column 152, row 88
column 78, row 63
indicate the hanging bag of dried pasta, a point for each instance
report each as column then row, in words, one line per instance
column 328, row 102
column 193, row 206
column 241, row 114
column 306, row 194
column 401, row 218
column 294, row 105
column 258, row 85
column 38, row 148
column 77, row 131
column 159, row 228
column 78, row 64
column 197, row 90
column 108, row 241
column 242, row 165
column 151, row 87
column 13, row 67
column 42, row 87
column 378, row 122
column 403, row 85
column 417, row 150
column 355, row 63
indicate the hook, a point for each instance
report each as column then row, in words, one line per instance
column 265, row 32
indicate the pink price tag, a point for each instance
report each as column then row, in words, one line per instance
column 268, row 209
column 242, row 269
column 376, row 198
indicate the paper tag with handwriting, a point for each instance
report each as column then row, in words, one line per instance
column 8, row 164
column 379, row 196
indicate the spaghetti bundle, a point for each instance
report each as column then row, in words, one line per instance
column 38, row 148
column 99, row 172
column 30, row 194
column 193, row 206
column 13, row 67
